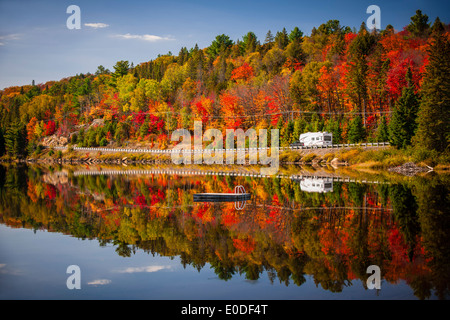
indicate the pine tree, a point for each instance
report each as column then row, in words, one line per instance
column 356, row 132
column 382, row 131
column 433, row 131
column 249, row 43
column 334, row 127
column 196, row 64
column 2, row 143
column 282, row 39
column 102, row 70
column 296, row 35
column 269, row 37
column 183, row 56
column 15, row 140
column 403, row 121
column 121, row 68
column 219, row 45
column 294, row 51
column 299, row 127
column 419, row 24
column 143, row 130
column 290, row 132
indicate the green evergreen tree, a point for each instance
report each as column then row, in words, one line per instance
column 2, row 143
column 403, row 120
column 249, row 43
column 334, row 127
column 382, row 131
column 299, row 127
column 102, row 70
column 433, row 131
column 315, row 124
column 295, row 52
column 269, row 37
column 296, row 35
column 103, row 142
column 15, row 140
column 196, row 64
column 419, row 25
column 289, row 133
column 356, row 131
column 389, row 30
column 330, row 27
column 122, row 131
column 121, row 68
column 143, row 130
column 90, row 138
column 220, row 44
column 183, row 56
column 405, row 214
column 282, row 39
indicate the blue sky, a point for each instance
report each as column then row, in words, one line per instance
column 35, row 43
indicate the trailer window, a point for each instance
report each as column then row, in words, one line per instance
column 327, row 138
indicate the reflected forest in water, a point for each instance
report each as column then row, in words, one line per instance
column 331, row 232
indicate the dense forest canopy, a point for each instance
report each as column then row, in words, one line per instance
column 360, row 85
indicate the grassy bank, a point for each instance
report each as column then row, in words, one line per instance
column 358, row 158
column 391, row 157
column 382, row 158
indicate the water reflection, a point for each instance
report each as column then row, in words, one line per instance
column 316, row 185
column 290, row 229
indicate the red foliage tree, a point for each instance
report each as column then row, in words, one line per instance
column 231, row 110
column 244, row 73
column 49, row 128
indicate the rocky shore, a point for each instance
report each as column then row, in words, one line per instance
column 409, row 169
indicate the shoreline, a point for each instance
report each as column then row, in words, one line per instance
column 343, row 159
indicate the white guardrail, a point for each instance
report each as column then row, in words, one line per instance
column 193, row 172
column 169, row 151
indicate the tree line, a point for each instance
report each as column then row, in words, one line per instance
column 360, row 85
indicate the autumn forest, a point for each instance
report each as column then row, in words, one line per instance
column 312, row 224
column 363, row 86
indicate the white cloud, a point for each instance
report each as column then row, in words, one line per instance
column 96, row 25
column 13, row 36
column 4, row 39
column 144, row 37
column 99, row 282
column 143, row 269
column 5, row 270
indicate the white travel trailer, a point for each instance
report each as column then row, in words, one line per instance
column 316, row 185
column 316, row 139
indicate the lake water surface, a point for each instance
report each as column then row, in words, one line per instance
column 138, row 234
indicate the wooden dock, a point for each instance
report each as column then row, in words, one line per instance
column 238, row 195
column 221, row 197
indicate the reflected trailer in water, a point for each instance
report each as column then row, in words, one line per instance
column 316, row 185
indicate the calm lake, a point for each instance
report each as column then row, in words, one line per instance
column 136, row 233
